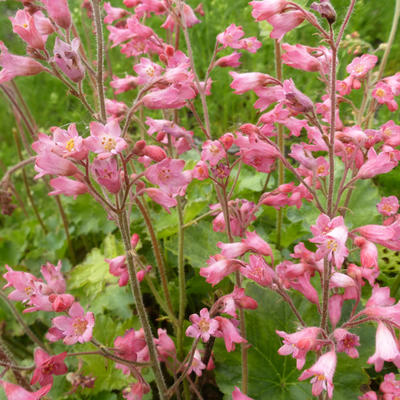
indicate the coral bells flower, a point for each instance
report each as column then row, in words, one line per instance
column 197, row 365
column 299, row 344
column 388, row 206
column 249, row 81
column 231, row 37
column 219, row 267
column 383, row 95
column 67, row 58
column 229, row 332
column 24, row 26
column 296, row 100
column 165, row 345
column 202, row 326
column 58, row 11
column 14, row 65
column 262, row 10
column 119, row 268
column 107, row 174
column 390, row 386
column 47, row 366
column 77, row 327
column 213, row 152
column 360, row 66
column 259, row 271
column 15, row 392
column 105, row 140
column 346, row 342
column 322, row 372
column 387, row 348
column 67, row 187
column 68, row 143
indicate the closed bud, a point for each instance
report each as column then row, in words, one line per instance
column 326, row 10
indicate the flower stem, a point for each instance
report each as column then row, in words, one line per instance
column 123, row 225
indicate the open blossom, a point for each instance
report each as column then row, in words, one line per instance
column 14, row 65
column 15, row 392
column 360, row 66
column 299, row 344
column 229, row 332
column 160, row 197
column 47, row 366
column 202, row 326
column 383, row 95
column 197, row 365
column 259, row 271
column 322, row 372
column 262, row 10
column 231, row 37
column 77, row 327
column 58, row 10
column 147, row 71
column 387, row 348
column 388, row 206
column 105, row 140
column 24, row 26
column 67, row 143
column 113, row 13
column 390, row 387
column 106, row 173
column 213, row 152
column 219, row 268
column 346, row 342
column 238, row 395
column 67, row 187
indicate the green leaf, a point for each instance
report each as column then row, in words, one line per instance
column 272, row 376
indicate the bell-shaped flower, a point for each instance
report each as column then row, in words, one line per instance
column 218, row 268
column 346, row 342
column 15, row 392
column 24, row 25
column 59, row 12
column 238, row 395
column 262, row 10
column 229, row 332
column 322, row 372
column 107, row 174
column 67, row 58
column 47, row 366
column 165, row 345
column 67, row 187
column 202, row 326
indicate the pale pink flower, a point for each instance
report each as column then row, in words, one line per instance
column 197, row 365
column 259, row 271
column 322, row 372
column 147, row 71
column 368, row 396
column 299, row 344
column 15, row 392
column 47, row 366
column 391, row 133
column 383, row 95
column 301, row 57
column 335, row 305
column 200, row 171
column 249, row 81
column 229, row 61
column 368, row 252
column 360, row 66
column 174, row 96
column 67, row 58
column 231, row 37
column 14, row 65
column 388, row 206
column 202, row 326
column 285, row 22
column 105, row 140
column 54, row 277
column 24, row 25
column 58, row 11
column 213, row 152
column 160, row 197
column 131, row 345
column 251, row 44
column 51, row 164
column 77, row 327
column 67, row 187
column 113, row 13
column 387, row 348
column 394, row 83
column 122, row 85
column 262, row 10
column 390, row 387
column 67, row 143
column 238, row 395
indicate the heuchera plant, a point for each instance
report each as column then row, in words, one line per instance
column 324, row 155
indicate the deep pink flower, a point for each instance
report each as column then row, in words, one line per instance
column 368, row 252
column 305, row 58
column 47, row 366
column 160, row 197
column 259, row 271
column 285, row 22
column 229, row 61
column 322, row 372
column 15, row 392
column 119, row 268
column 67, row 58
column 77, row 327
column 346, row 342
column 51, row 164
column 202, row 326
column 61, row 302
column 360, row 66
column 124, row 84
column 136, row 391
column 105, row 140
column 107, row 174
column 58, row 10
column 213, row 152
column 14, row 65
column 219, row 268
column 238, row 395
column 131, row 344
column 383, row 95
column 237, row 299
column 299, row 344
column 229, row 332
column 24, row 26
column 113, row 13
column 249, row 81
column 387, row 348
column 368, row 396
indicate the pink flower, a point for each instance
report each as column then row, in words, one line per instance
column 238, row 395
column 132, row 346
column 197, row 365
column 383, row 95
column 174, row 96
column 119, row 268
column 391, row 133
column 47, row 366
column 15, row 392
column 259, row 271
column 237, row 299
column 251, row 44
column 67, row 143
column 124, row 84
column 202, row 326
column 305, row 58
column 229, row 332
column 51, row 164
column 388, row 206
column 58, row 10
column 231, row 37
column 136, row 391
column 213, row 152
column 249, row 81
column 165, row 345
column 200, row 171
column 219, row 268
column 77, row 327
column 394, row 83
column 285, row 22
column 346, row 342
column 368, row 396
column 299, row 344
column 113, row 13
column 14, row 65
column 387, row 348
column 296, row 100
column 323, row 371
column 147, row 71
column 24, row 26
column 163, row 199
column 169, row 176
column 229, row 61
column 54, row 277
column 107, row 174
column 67, row 187
column 390, row 386
column 262, row 10
column 368, row 252
column 105, row 140
column 68, row 60
column 360, row 66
